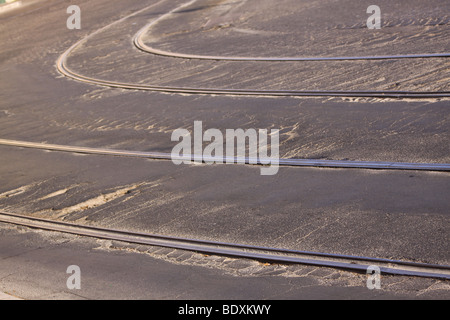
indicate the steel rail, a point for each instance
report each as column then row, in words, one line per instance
column 141, row 45
column 346, row 262
column 62, row 67
column 442, row 167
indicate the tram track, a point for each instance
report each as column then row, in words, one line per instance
column 267, row 254
column 139, row 43
column 442, row 167
column 64, row 69
column 415, row 220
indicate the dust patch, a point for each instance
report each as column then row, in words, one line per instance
column 5, row 113
column 238, row 267
column 95, row 202
column 16, row 192
column 318, row 276
column 54, row 194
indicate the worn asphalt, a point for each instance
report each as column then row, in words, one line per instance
column 391, row 214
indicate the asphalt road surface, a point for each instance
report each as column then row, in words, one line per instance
column 392, row 214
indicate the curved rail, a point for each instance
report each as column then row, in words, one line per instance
column 346, row 262
column 443, row 167
column 65, row 70
column 140, row 44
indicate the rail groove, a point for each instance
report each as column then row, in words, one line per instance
column 442, row 167
column 346, row 262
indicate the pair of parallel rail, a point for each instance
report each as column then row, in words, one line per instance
column 353, row 263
